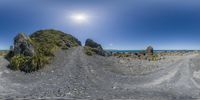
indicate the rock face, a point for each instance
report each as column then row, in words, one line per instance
column 23, row 46
column 96, row 47
column 149, row 51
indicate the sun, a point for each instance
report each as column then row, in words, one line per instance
column 79, row 18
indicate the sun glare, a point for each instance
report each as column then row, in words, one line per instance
column 80, row 18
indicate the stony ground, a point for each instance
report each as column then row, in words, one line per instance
column 72, row 74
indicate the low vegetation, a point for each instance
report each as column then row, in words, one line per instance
column 154, row 57
column 141, row 56
column 90, row 51
column 3, row 52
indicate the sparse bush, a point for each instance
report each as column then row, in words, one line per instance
column 3, row 53
column 121, row 55
column 154, row 57
column 89, row 51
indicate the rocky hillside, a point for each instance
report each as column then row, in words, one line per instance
column 31, row 53
column 53, row 38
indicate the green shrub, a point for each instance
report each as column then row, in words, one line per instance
column 18, row 61
column 28, row 64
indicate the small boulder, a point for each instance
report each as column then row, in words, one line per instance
column 23, row 46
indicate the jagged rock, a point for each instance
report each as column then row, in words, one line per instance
column 149, row 50
column 23, row 46
column 92, row 44
column 96, row 47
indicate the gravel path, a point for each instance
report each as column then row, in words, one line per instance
column 72, row 74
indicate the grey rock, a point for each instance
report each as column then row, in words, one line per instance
column 149, row 50
column 92, row 44
column 23, row 46
column 108, row 53
column 100, row 51
column 98, row 47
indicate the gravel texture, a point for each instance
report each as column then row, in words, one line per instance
column 72, row 74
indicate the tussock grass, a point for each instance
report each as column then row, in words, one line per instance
column 89, row 51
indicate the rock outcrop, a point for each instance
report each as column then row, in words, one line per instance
column 97, row 48
column 92, row 44
column 149, row 51
column 22, row 45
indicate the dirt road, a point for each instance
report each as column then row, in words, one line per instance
column 72, row 74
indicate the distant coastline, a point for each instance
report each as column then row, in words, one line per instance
column 125, row 51
column 156, row 51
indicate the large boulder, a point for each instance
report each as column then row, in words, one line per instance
column 97, row 48
column 92, row 44
column 149, row 51
column 22, row 45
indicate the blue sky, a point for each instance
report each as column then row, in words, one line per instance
column 116, row 24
